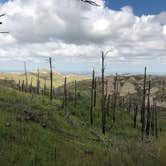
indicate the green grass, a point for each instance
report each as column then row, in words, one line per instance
column 68, row 139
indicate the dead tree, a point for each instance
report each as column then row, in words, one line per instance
column 156, row 121
column 103, row 96
column 92, row 97
column 51, row 79
column 26, row 76
column 38, row 82
column 95, row 91
column 148, row 111
column 135, row 115
column 108, row 105
column 65, row 93
column 115, row 97
column 106, row 88
column 75, row 93
column 90, row 2
column 22, row 87
column 143, row 106
column 45, row 87
column 19, row 85
column 152, row 120
column 31, row 85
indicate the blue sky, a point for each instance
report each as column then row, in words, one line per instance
column 123, row 31
column 139, row 6
column 2, row 1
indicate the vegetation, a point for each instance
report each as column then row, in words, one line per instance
column 37, row 131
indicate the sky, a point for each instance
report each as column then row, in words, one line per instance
column 74, row 34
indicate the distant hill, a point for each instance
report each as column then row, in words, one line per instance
column 58, row 78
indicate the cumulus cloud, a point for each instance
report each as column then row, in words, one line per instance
column 70, row 28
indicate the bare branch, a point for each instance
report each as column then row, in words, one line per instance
column 90, row 2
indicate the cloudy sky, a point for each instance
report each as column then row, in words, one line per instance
column 74, row 34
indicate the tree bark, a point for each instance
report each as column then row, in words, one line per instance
column 75, row 93
column 115, row 97
column 92, row 98
column 38, row 82
column 143, row 106
column 148, row 111
column 103, row 97
column 51, row 79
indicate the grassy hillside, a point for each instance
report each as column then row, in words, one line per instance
column 58, row 78
column 36, row 131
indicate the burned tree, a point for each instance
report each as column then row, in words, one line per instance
column 22, row 86
column 65, row 93
column 31, row 85
column 38, row 82
column 90, row 2
column 19, row 85
column 45, row 87
column 4, row 32
column 156, row 122
column 152, row 122
column 106, row 88
column 103, row 96
column 148, row 110
column 115, row 96
column 95, row 91
column 143, row 106
column 108, row 104
column 75, row 93
column 51, row 79
column 103, row 99
column 92, row 97
column 135, row 115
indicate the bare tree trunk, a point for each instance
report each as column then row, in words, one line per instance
column 31, row 85
column 45, row 87
column 115, row 97
column 22, row 87
column 95, row 86
column 106, row 88
column 156, row 122
column 19, row 85
column 143, row 106
column 51, row 79
column 92, row 98
column 152, row 120
column 103, row 97
column 135, row 115
column 108, row 104
column 65, row 93
column 148, row 111
column 75, row 93
column 38, row 82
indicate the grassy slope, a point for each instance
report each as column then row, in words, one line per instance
column 67, row 138
column 58, row 79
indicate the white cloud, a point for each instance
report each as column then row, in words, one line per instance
column 70, row 28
